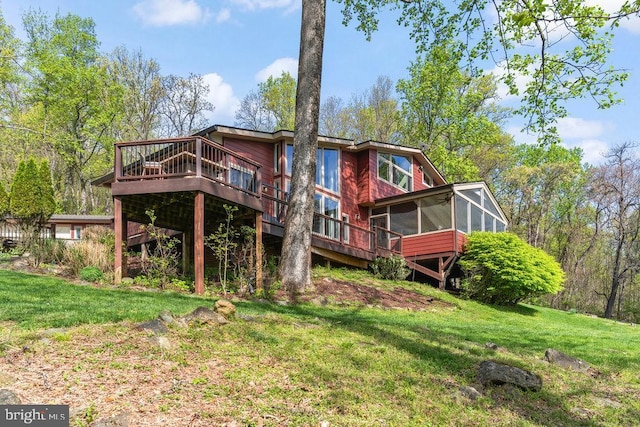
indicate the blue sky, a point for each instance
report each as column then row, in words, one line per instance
column 237, row 43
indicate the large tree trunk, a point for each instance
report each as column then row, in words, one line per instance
column 295, row 263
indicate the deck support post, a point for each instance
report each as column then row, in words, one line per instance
column 187, row 250
column 258, row 251
column 120, row 231
column 441, row 283
column 198, row 237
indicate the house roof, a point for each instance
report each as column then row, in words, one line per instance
column 217, row 132
column 80, row 219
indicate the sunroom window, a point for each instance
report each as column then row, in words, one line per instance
column 395, row 169
column 476, row 212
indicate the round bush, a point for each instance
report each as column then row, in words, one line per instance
column 500, row 268
column 91, row 274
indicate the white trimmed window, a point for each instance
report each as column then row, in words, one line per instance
column 395, row 169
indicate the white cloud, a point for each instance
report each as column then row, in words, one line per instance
column 160, row 13
column 222, row 97
column 593, row 150
column 223, row 16
column 276, row 68
column 503, row 90
column 288, row 5
column 577, row 128
column 631, row 24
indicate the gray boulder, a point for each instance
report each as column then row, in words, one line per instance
column 7, row 397
column 206, row 315
column 569, row 362
column 491, row 373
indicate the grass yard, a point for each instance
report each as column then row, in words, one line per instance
column 343, row 364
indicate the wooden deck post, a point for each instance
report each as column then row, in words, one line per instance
column 198, row 237
column 187, row 250
column 259, row 277
column 118, row 231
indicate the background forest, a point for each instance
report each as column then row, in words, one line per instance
column 64, row 102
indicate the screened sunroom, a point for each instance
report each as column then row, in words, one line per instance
column 434, row 223
column 463, row 207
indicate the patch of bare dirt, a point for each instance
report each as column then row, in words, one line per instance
column 341, row 292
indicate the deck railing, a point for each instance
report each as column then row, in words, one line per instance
column 379, row 241
column 182, row 157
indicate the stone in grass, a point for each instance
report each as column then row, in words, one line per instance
column 156, row 326
column 7, row 397
column 119, row 420
column 206, row 315
column 226, row 308
column 470, row 392
column 491, row 373
column 563, row 360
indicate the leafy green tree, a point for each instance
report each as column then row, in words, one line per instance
column 143, row 93
column 223, row 243
column 560, row 48
column 4, row 202
column 45, row 192
column 538, row 192
column 24, row 192
column 74, row 100
column 271, row 107
column 9, row 67
column 452, row 115
column 32, row 202
column 617, row 194
column 501, row 268
column 279, row 96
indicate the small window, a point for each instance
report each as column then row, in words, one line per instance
column 277, row 157
column 289, row 159
column 426, row 179
column 76, row 232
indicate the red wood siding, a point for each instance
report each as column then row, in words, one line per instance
column 428, row 244
column 364, row 178
column 379, row 188
column 418, row 184
column 261, row 152
column 349, row 187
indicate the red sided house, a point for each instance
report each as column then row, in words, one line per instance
column 372, row 199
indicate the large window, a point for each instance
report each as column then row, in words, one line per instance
column 327, row 168
column 327, row 225
column 435, row 213
column 327, row 171
column 395, row 169
column 403, row 218
column 475, row 211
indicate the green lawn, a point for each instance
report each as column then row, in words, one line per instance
column 35, row 302
column 356, row 366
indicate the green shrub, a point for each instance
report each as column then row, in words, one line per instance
column 500, row 268
column 88, row 252
column 391, row 268
column 91, row 274
column 47, row 251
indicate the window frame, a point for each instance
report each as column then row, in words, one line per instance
column 394, row 168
